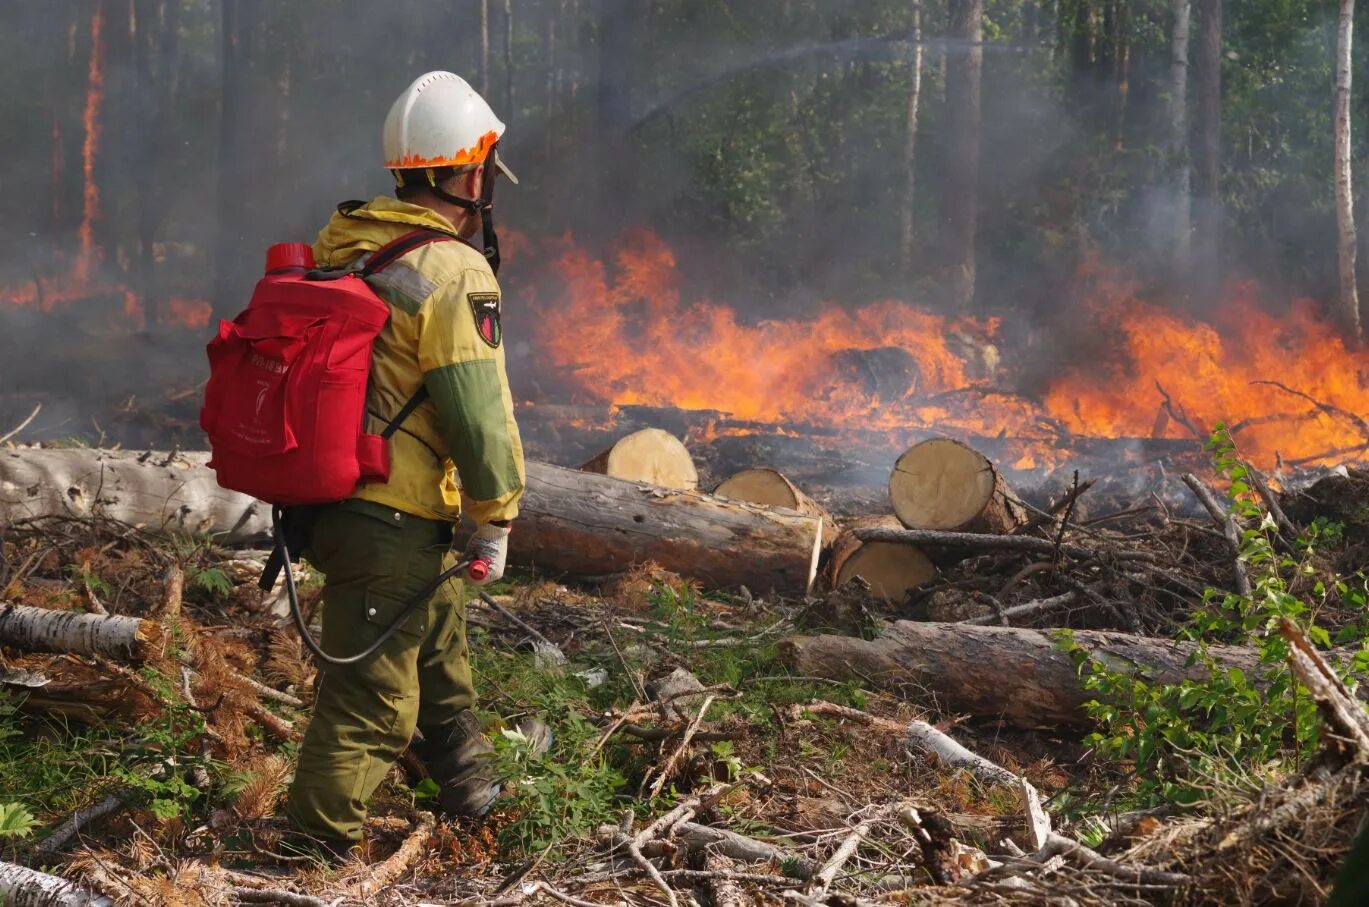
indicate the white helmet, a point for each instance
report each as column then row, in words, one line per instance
column 441, row 121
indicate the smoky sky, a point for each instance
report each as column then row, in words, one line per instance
column 323, row 74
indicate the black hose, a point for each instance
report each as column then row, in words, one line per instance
column 414, row 604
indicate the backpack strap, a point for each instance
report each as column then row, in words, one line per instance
column 385, row 256
column 405, row 411
column 392, row 251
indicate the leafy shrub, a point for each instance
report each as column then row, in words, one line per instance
column 1177, row 737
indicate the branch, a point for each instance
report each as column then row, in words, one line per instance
column 936, row 538
column 1227, row 523
column 401, row 860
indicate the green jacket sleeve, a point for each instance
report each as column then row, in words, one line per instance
column 461, row 356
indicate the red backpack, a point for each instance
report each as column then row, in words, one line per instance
column 286, row 401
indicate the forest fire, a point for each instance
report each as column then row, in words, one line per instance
column 1287, row 384
column 75, row 289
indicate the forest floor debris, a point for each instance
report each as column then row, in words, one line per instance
column 153, row 774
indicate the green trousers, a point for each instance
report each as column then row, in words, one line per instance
column 375, row 560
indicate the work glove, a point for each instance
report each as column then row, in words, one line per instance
column 491, row 545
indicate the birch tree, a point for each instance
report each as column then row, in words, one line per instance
column 1347, row 298
column 962, row 169
column 910, row 139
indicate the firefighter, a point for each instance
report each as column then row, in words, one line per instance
column 379, row 548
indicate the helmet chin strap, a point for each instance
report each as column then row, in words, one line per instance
column 484, row 206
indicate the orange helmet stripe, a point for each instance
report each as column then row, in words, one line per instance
column 476, row 155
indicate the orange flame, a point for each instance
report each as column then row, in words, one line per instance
column 50, row 295
column 95, row 93
column 624, row 334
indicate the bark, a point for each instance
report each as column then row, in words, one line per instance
column 961, row 200
column 1208, row 156
column 1347, row 299
column 944, row 484
column 650, row 455
column 580, row 523
column 1003, row 673
column 1178, row 132
column 43, row 630
column 23, row 887
column 155, row 491
column 910, row 142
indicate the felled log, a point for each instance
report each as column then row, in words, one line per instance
column 892, row 569
column 24, row 887
column 889, row 373
column 45, row 630
column 571, row 522
column 161, row 492
column 1016, row 675
column 771, row 488
column 585, row 524
column 944, row 484
column 650, row 455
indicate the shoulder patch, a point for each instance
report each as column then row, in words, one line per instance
column 485, row 309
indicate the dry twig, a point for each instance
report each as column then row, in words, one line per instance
column 400, row 861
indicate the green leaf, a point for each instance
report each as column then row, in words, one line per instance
column 16, row 821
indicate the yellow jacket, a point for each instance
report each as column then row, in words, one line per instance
column 462, row 441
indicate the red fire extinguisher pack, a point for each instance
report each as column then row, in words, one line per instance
column 285, row 405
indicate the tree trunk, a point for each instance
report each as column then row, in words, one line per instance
column 893, row 569
column 90, row 194
column 508, row 62
column 961, row 198
column 910, row 143
column 1018, row 676
column 580, row 523
column 485, row 49
column 944, row 484
column 1121, row 68
column 43, row 630
column 1208, row 159
column 651, row 455
column 1347, row 298
column 571, row 522
column 144, row 41
column 1178, row 135
column 166, row 80
column 24, row 887
column 155, row 491
column 236, row 32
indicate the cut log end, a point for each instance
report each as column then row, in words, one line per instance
column 892, row 569
column 650, row 455
column 772, row 489
column 944, row 484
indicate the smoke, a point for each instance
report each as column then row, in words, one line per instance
column 763, row 142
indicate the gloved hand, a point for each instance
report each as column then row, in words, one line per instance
column 491, row 545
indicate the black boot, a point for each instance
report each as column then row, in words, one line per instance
column 458, row 759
